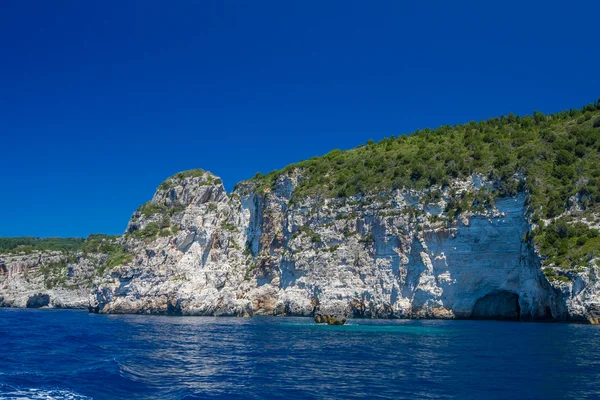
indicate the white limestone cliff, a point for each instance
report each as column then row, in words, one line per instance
column 261, row 251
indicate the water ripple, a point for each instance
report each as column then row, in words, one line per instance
column 76, row 355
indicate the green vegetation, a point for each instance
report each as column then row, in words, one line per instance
column 558, row 153
column 228, row 226
column 480, row 201
column 551, row 157
column 94, row 243
column 110, row 245
column 313, row 236
column 553, row 276
column 248, row 273
column 150, row 209
column 28, row 244
column 566, row 244
column 148, row 232
column 99, row 243
column 366, row 239
column 168, row 183
column 189, row 173
column 118, row 257
column 55, row 273
column 161, row 227
column 248, row 251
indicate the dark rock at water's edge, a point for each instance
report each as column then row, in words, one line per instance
column 330, row 319
column 334, row 313
column 173, row 307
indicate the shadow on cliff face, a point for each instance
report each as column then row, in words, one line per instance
column 503, row 305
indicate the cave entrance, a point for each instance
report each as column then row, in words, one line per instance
column 38, row 300
column 503, row 305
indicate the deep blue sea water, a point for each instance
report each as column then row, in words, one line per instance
column 50, row 354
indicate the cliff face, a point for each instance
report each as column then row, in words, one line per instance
column 47, row 279
column 199, row 251
column 490, row 219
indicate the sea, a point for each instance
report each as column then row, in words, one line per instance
column 65, row 354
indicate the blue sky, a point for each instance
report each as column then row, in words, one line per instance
column 101, row 101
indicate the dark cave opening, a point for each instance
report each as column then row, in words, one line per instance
column 38, row 300
column 503, row 305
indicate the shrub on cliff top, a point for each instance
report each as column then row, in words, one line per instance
column 166, row 185
column 550, row 150
column 148, row 232
column 100, row 244
column 566, row 244
column 27, row 244
column 189, row 173
column 150, row 208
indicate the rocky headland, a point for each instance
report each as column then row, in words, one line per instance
column 485, row 241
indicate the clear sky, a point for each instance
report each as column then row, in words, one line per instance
column 100, row 101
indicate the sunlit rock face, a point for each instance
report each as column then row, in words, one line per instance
column 257, row 251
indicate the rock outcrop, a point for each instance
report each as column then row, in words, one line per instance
column 44, row 278
column 197, row 250
column 334, row 313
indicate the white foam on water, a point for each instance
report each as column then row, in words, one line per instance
column 40, row 394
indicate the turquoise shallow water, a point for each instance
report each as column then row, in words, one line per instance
column 49, row 354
